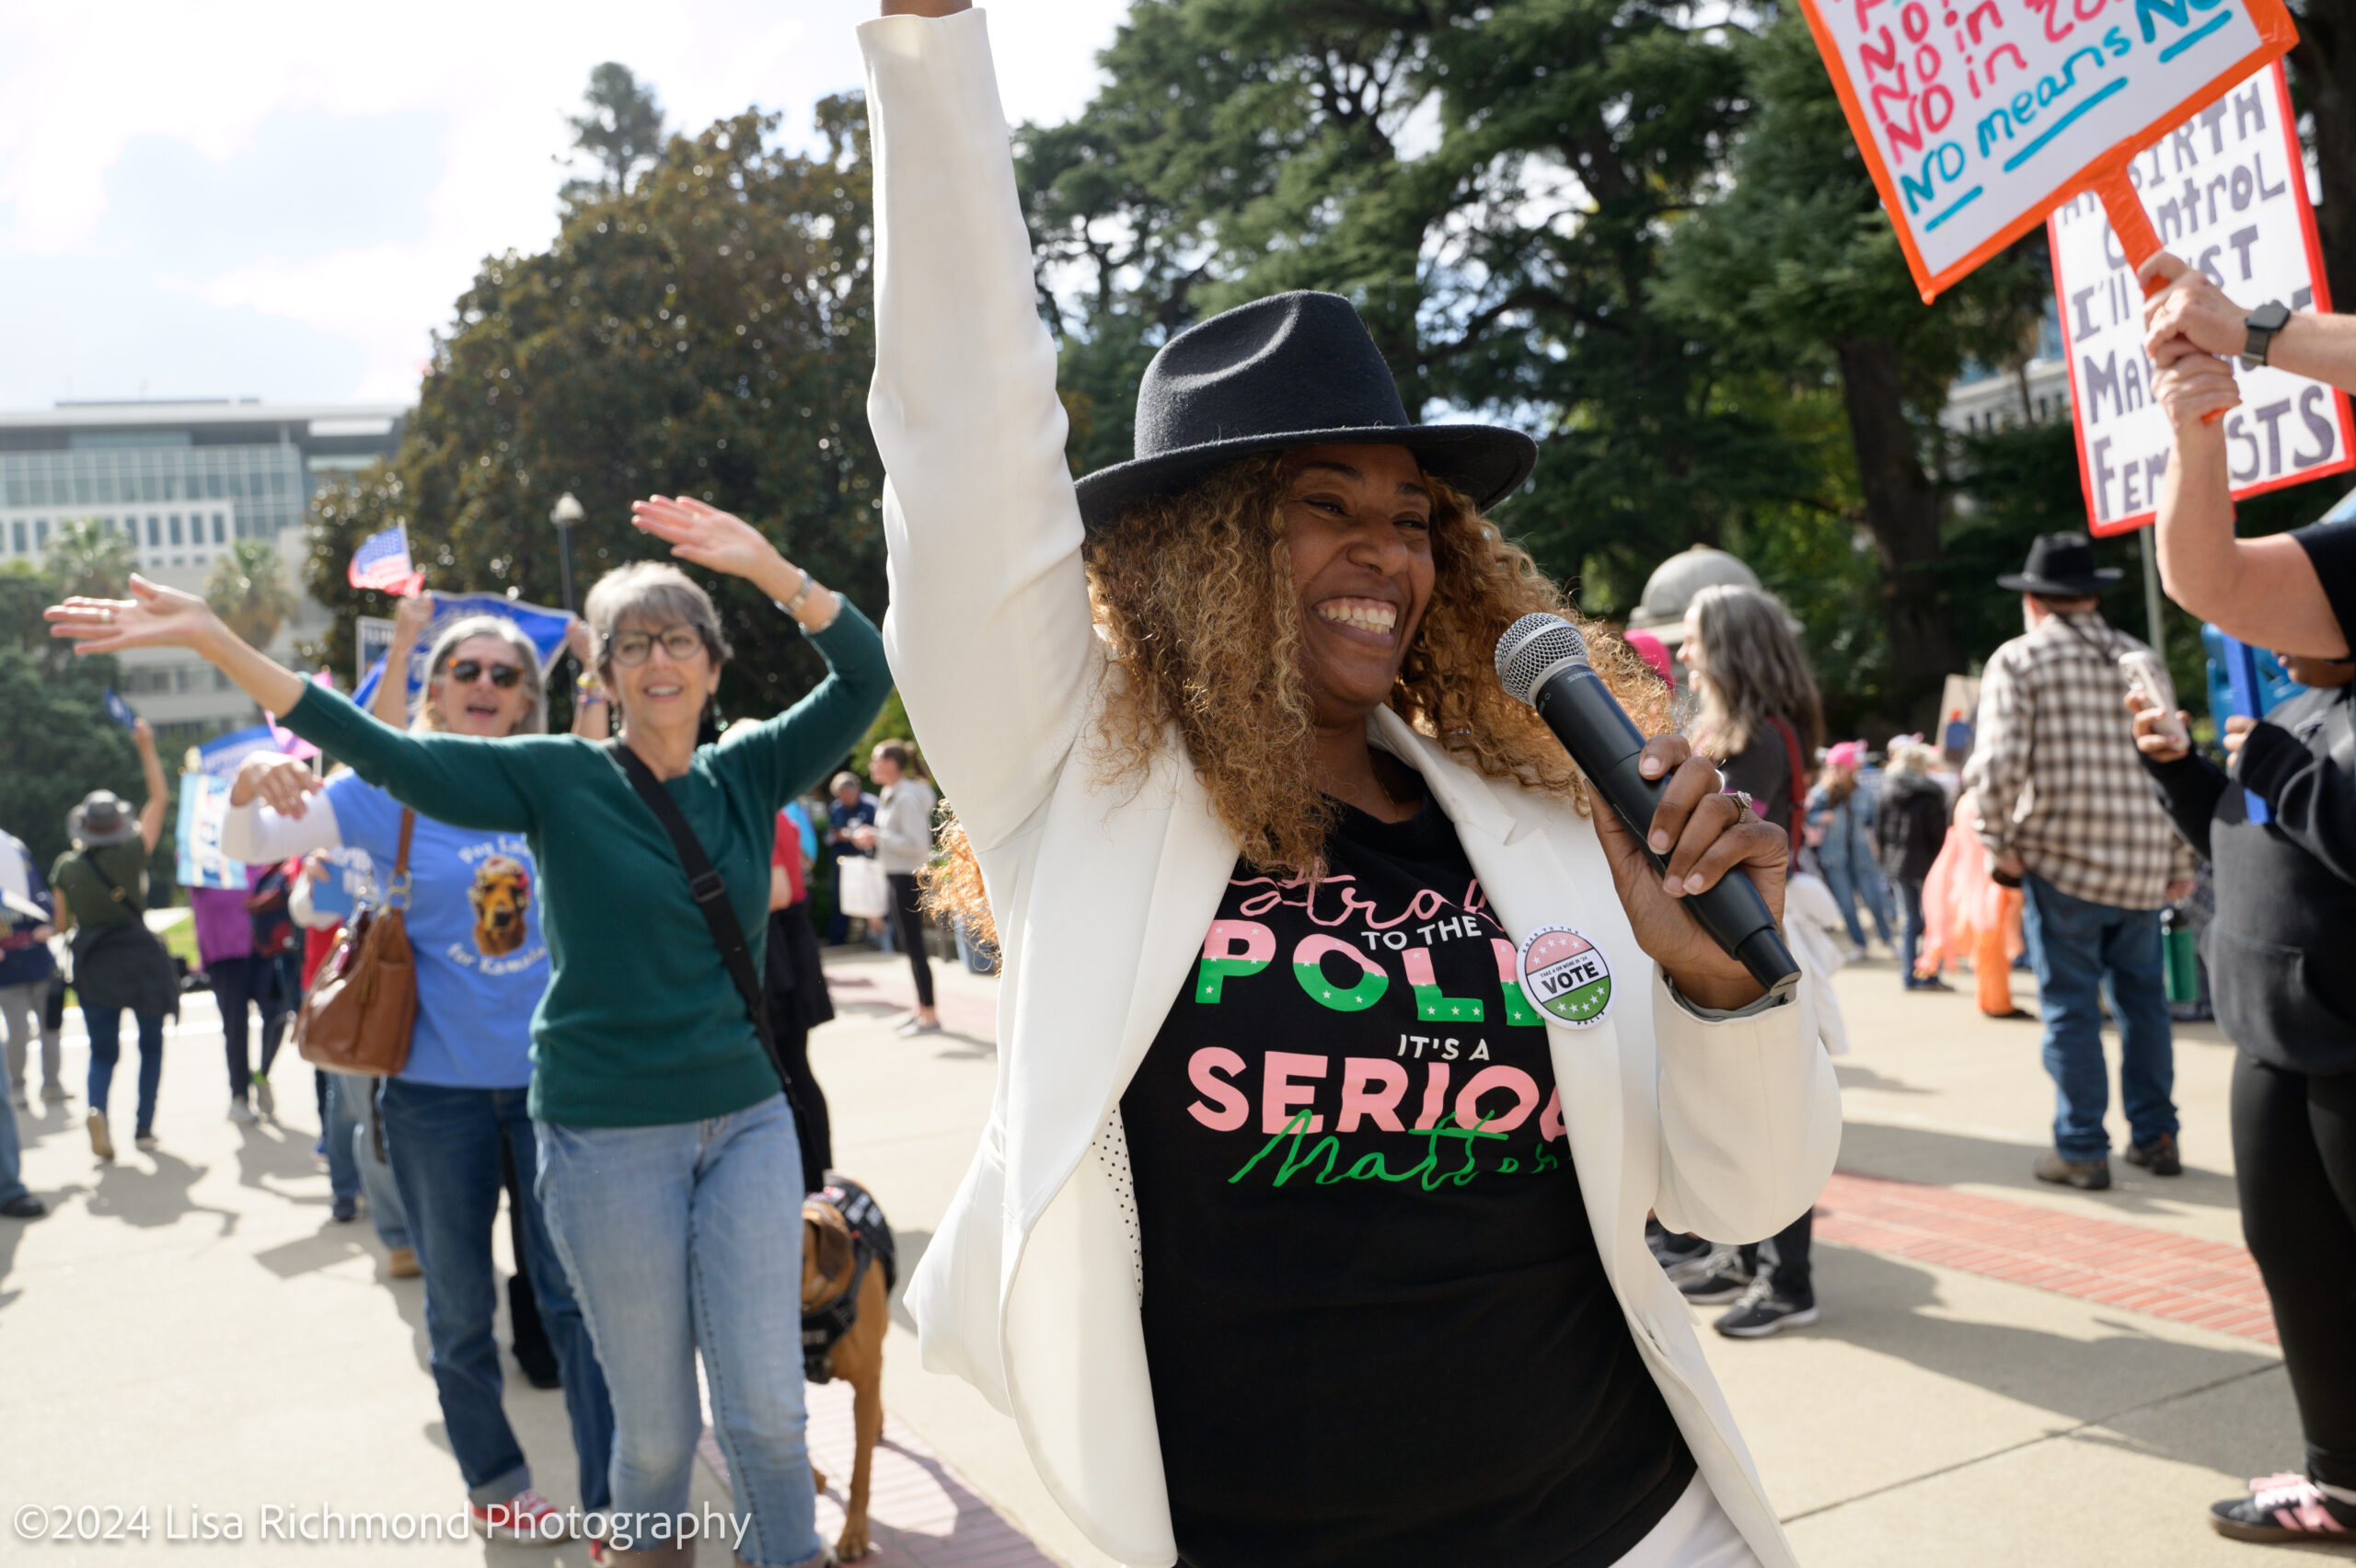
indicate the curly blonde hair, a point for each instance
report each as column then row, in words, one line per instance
column 1195, row 595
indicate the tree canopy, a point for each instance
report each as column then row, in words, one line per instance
column 704, row 332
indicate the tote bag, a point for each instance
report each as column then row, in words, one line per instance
column 860, row 890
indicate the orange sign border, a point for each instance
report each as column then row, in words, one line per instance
column 2276, row 31
column 2322, row 302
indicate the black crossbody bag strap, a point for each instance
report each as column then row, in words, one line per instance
column 709, row 890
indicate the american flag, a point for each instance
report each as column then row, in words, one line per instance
column 382, row 562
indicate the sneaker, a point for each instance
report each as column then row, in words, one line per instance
column 1761, row 1312
column 2086, row 1175
column 911, row 1028
column 101, row 1145
column 1678, row 1255
column 242, row 1113
column 2286, row 1507
column 1723, row 1281
column 56, row 1092
column 265, row 1102
column 146, row 1140
column 401, row 1263
column 1933, row 984
column 2159, row 1157
column 24, row 1206
column 520, row 1518
column 344, row 1209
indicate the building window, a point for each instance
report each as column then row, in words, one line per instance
column 41, row 533
column 154, row 533
column 176, row 527
column 16, row 531
column 220, row 529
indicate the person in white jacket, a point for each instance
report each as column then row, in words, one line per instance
column 1345, row 1048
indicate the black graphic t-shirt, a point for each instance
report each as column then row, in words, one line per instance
column 1377, row 1326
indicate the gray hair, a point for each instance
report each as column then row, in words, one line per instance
column 656, row 594
column 466, row 628
column 1753, row 671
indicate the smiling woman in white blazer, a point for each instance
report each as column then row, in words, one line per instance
column 1679, row 1091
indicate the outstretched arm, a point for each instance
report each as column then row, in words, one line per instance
column 158, row 616
column 409, row 621
column 151, row 769
column 989, row 632
column 2264, row 592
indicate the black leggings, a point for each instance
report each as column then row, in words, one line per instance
column 1793, row 1278
column 2295, row 1161
column 908, row 924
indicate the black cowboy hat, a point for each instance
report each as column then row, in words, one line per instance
column 2061, row 566
column 1291, row 370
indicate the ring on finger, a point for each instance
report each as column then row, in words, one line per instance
column 1742, row 803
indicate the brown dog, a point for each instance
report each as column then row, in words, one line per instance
column 838, row 1261
column 500, row 893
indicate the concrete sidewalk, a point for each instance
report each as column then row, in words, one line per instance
column 190, row 1331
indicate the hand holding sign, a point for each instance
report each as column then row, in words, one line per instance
column 1978, row 117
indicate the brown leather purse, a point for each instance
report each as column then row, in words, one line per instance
column 362, row 1003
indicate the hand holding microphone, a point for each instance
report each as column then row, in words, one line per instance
column 1723, row 865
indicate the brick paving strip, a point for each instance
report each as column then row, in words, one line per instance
column 2209, row 1284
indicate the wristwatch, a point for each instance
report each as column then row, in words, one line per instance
column 2263, row 323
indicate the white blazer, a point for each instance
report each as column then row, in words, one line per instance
column 1103, row 891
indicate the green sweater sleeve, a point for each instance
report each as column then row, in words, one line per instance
column 464, row 780
column 777, row 758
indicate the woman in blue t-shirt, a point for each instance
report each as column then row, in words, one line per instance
column 474, row 921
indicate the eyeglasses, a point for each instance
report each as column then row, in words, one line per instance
column 466, row 672
column 633, row 648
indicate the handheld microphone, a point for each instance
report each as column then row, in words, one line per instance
column 1541, row 659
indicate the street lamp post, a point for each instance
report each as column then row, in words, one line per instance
column 564, row 515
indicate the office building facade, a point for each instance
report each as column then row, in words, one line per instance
column 183, row 482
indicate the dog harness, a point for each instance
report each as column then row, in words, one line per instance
column 871, row 1243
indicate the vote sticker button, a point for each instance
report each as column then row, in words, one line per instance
column 1567, row 975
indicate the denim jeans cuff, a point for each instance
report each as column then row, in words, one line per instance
column 500, row 1488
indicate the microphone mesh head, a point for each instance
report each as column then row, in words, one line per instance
column 1533, row 645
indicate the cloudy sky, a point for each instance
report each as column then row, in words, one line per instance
column 258, row 198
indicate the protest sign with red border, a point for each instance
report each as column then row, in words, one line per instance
column 1986, row 114
column 2228, row 187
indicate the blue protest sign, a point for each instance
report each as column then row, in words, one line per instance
column 544, row 627
column 120, row 711
column 204, row 806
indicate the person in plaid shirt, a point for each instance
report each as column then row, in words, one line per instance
column 2065, row 808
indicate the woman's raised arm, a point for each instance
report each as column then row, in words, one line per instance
column 458, row 778
column 989, row 632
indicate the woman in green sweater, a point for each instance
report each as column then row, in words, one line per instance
column 668, row 1164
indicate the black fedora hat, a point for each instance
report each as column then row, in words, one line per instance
column 2061, row 565
column 1291, row 370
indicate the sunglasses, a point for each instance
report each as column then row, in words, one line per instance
column 631, row 648
column 466, row 672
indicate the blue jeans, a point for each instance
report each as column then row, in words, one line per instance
column 353, row 1162
column 1910, row 895
column 1851, row 887
column 687, row 1236
column 12, row 1183
column 2079, row 950
column 445, row 1144
column 105, row 1025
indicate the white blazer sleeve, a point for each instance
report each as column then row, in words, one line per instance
column 1750, row 1117
column 989, row 632
column 260, row 836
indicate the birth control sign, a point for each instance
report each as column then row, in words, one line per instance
column 1566, row 974
column 1978, row 116
column 2227, row 189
